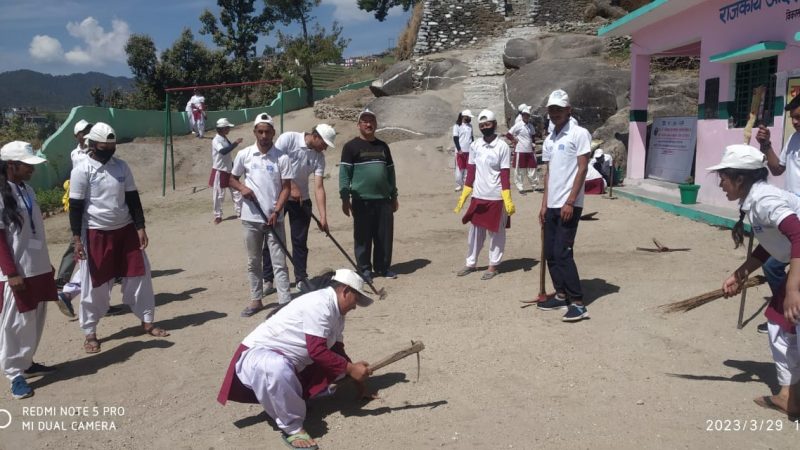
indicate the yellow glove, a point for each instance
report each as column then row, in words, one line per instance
column 65, row 197
column 464, row 194
column 510, row 209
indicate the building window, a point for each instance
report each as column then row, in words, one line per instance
column 750, row 75
column 711, row 101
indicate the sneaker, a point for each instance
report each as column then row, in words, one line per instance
column 65, row 305
column 20, row 388
column 268, row 288
column 38, row 370
column 388, row 274
column 458, row 189
column 367, row 276
column 763, row 328
column 303, row 286
column 575, row 313
column 552, row 303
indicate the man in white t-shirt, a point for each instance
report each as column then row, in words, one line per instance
column 294, row 356
column 522, row 159
column 567, row 150
column 787, row 164
column 268, row 174
column 306, row 152
column 108, row 231
column 221, row 166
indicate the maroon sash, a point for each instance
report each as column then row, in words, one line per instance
column 114, row 253
column 527, row 160
column 232, row 388
column 462, row 160
column 485, row 214
column 39, row 288
column 224, row 178
column 594, row 187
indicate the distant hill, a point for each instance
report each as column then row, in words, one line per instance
column 29, row 89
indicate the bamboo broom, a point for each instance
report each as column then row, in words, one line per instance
column 708, row 297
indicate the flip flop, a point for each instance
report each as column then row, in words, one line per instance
column 466, row 271
column 488, row 275
column 302, row 436
column 91, row 345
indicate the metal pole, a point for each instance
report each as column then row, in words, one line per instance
column 171, row 152
column 166, row 132
column 281, row 108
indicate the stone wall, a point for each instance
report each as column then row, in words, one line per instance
column 553, row 11
column 448, row 24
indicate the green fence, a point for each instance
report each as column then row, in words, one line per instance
column 130, row 124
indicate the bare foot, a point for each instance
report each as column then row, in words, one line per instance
column 155, row 331
column 776, row 402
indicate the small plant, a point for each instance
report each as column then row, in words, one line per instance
column 689, row 180
column 49, row 200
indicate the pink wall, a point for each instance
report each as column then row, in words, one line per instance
column 702, row 23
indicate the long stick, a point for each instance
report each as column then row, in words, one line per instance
column 542, row 268
column 380, row 293
column 758, row 94
column 415, row 347
column 278, row 239
column 744, row 289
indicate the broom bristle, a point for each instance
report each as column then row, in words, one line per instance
column 700, row 300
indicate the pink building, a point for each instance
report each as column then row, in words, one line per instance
column 741, row 44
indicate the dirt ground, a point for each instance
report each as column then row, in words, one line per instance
column 494, row 375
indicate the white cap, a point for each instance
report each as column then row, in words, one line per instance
column 354, row 280
column 366, row 111
column 526, row 110
column 522, row 106
column 467, row 113
column 598, row 153
column 263, row 118
column 102, row 132
column 20, row 151
column 224, row 123
column 486, row 116
column 327, row 133
column 741, row 156
column 558, row 98
column 82, row 125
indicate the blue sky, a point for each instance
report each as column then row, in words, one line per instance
column 69, row 36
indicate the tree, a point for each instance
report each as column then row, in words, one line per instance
column 308, row 49
column 238, row 29
column 144, row 65
column 97, row 96
column 382, row 7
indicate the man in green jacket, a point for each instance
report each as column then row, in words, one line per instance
column 368, row 190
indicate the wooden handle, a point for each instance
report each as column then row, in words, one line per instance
column 758, row 94
column 415, row 347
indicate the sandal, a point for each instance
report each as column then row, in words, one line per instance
column 91, row 344
column 156, row 331
column 466, row 271
column 488, row 275
column 302, row 436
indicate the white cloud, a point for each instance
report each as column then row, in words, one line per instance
column 45, row 48
column 99, row 47
column 346, row 11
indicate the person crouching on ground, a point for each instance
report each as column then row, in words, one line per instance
column 108, row 230
column 294, row 355
column 26, row 280
column 221, row 165
column 773, row 216
column 488, row 181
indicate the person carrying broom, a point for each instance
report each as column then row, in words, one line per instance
column 773, row 216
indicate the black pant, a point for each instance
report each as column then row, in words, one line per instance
column 299, row 222
column 67, row 266
column 559, row 240
column 373, row 233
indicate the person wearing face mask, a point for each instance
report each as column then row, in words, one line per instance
column 108, row 231
column 488, row 181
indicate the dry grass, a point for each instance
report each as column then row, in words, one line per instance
column 408, row 38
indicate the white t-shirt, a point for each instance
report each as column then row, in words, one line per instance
column 464, row 134
column 264, row 175
column 305, row 161
column 29, row 249
column 103, row 187
column 316, row 313
column 220, row 162
column 77, row 154
column 790, row 158
column 766, row 206
column 523, row 133
column 561, row 152
column 489, row 159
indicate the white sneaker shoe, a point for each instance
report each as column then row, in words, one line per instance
column 458, row 188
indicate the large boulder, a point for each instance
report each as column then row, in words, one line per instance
column 519, row 52
column 570, row 46
column 396, row 80
column 596, row 89
column 403, row 117
column 614, row 134
column 444, row 73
